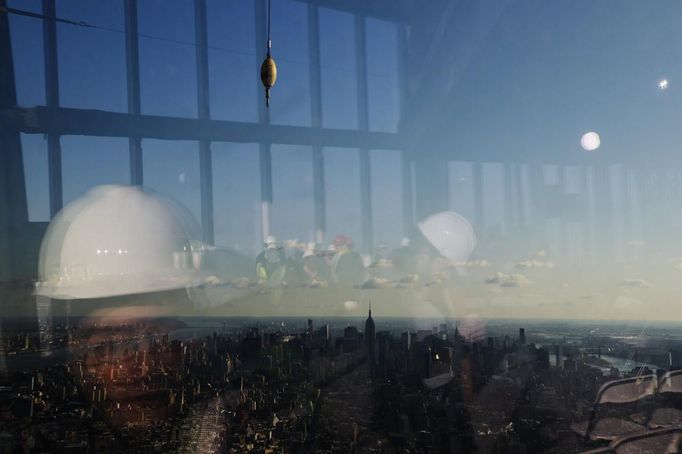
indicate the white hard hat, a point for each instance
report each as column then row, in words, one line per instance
column 451, row 234
column 270, row 242
column 118, row 240
column 309, row 250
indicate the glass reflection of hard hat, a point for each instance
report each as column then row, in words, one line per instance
column 118, row 240
column 450, row 234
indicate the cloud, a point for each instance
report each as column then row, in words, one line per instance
column 350, row 305
column 516, row 280
column 541, row 253
column 377, row 282
column 640, row 283
column 531, row 264
column 473, row 264
column 623, row 302
column 495, row 278
column 508, row 280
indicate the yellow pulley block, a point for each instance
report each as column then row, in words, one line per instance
column 268, row 76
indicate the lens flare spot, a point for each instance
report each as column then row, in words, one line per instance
column 590, row 141
column 350, row 305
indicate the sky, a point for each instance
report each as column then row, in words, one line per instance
column 531, row 77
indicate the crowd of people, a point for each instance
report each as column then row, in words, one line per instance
column 438, row 244
column 294, row 263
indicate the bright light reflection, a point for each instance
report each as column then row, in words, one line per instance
column 590, row 141
column 663, row 84
column 350, row 305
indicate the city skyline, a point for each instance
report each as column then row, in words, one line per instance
column 187, row 385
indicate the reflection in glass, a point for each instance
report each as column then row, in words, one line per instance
column 172, row 169
column 92, row 73
column 168, row 80
column 92, row 161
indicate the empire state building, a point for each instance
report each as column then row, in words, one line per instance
column 370, row 335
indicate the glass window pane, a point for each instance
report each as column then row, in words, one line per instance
column 290, row 102
column 171, row 167
column 617, row 188
column 292, row 184
column 387, row 213
column 92, row 61
column 236, row 196
column 382, row 75
column 26, row 34
column 168, row 80
column 34, row 150
column 92, row 161
column 550, row 174
column 232, row 60
column 574, row 180
column 342, row 193
column 462, row 189
column 493, row 197
column 526, row 205
column 33, row 6
column 339, row 81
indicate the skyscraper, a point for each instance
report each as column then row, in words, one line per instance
column 370, row 335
